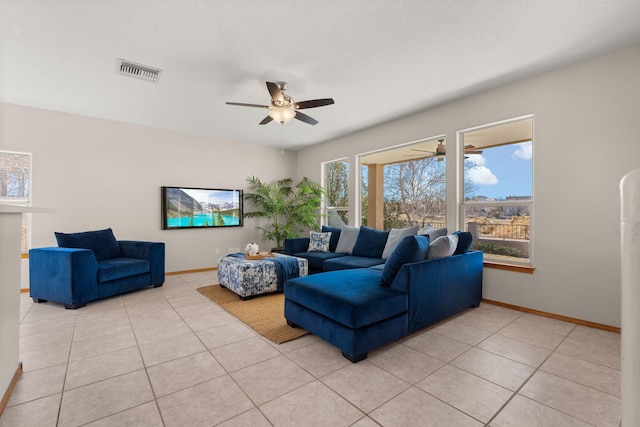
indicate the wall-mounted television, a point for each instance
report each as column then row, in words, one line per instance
column 186, row 207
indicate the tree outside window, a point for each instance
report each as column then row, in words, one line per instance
column 336, row 186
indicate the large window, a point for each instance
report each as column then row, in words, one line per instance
column 336, row 185
column 406, row 185
column 15, row 182
column 498, row 190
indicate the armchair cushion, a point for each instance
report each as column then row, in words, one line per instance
column 119, row 268
column 102, row 242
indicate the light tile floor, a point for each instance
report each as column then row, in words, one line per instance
column 171, row 357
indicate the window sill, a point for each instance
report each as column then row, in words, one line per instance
column 527, row 269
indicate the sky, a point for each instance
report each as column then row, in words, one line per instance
column 211, row 196
column 503, row 171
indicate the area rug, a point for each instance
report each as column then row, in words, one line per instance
column 264, row 313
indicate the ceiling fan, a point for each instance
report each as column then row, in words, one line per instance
column 283, row 108
column 441, row 150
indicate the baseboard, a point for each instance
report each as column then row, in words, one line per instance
column 199, row 270
column 12, row 384
column 554, row 316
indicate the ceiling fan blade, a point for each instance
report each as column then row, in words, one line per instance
column 473, row 152
column 266, row 120
column 276, row 94
column 313, row 103
column 304, row 118
column 423, row 151
column 242, row 104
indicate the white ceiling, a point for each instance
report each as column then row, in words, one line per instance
column 378, row 59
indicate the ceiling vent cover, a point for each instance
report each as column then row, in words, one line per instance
column 138, row 71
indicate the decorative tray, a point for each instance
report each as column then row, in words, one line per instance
column 260, row 255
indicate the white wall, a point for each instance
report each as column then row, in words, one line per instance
column 586, row 137
column 98, row 173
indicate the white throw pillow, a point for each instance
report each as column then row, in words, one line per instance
column 347, row 239
column 319, row 242
column 443, row 246
column 432, row 232
column 395, row 235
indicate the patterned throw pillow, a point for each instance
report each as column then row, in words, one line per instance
column 319, row 242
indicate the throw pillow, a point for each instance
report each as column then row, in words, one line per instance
column 348, row 236
column 319, row 242
column 335, row 235
column 395, row 235
column 370, row 242
column 465, row 239
column 410, row 249
column 433, row 232
column 443, row 246
column 102, row 242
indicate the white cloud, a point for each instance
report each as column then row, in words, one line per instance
column 524, row 151
column 479, row 173
column 482, row 175
column 476, row 159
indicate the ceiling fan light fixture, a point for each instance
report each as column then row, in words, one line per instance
column 282, row 114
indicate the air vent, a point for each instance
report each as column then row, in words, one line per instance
column 138, row 71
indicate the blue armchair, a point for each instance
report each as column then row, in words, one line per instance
column 93, row 265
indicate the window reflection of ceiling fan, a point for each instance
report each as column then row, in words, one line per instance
column 441, row 150
column 283, row 108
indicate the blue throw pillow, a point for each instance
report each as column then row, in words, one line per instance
column 370, row 243
column 335, row 236
column 465, row 239
column 410, row 249
column 102, row 242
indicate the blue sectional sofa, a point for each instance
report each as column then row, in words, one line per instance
column 91, row 265
column 365, row 249
column 361, row 309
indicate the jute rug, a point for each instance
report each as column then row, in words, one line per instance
column 264, row 313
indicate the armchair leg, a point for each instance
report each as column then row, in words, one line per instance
column 158, row 285
column 73, row 306
column 290, row 323
column 38, row 300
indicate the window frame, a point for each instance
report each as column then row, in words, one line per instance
column 507, row 264
column 26, row 218
column 325, row 208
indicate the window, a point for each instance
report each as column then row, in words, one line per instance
column 406, row 185
column 336, row 185
column 497, row 180
column 15, row 183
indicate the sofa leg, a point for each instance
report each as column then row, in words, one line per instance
column 356, row 358
column 158, row 285
column 38, row 300
column 290, row 323
column 476, row 305
column 73, row 306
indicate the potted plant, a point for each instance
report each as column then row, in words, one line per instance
column 288, row 209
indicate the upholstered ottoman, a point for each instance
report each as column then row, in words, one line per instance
column 249, row 278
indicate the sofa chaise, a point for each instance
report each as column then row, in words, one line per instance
column 361, row 309
column 92, row 265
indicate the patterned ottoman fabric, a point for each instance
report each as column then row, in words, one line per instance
column 254, row 277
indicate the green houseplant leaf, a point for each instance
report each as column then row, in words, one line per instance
column 288, row 208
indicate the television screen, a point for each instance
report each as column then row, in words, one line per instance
column 184, row 207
